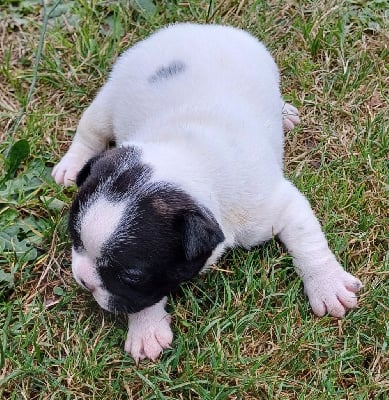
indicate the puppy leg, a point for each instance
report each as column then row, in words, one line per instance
column 93, row 133
column 328, row 286
column 290, row 117
column 149, row 332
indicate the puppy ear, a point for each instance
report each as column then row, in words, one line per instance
column 86, row 170
column 201, row 234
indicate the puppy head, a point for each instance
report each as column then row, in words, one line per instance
column 134, row 240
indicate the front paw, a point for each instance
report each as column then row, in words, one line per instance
column 332, row 292
column 290, row 117
column 149, row 333
column 65, row 172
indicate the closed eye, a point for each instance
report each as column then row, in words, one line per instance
column 133, row 276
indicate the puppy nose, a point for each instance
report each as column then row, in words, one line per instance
column 87, row 286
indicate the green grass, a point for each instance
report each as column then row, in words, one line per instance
column 244, row 330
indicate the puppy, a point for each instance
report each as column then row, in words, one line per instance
column 198, row 118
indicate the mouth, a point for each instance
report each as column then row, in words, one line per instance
column 86, row 286
column 118, row 304
column 121, row 306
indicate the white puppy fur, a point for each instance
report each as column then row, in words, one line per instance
column 202, row 102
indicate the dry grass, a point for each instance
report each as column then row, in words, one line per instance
column 244, row 331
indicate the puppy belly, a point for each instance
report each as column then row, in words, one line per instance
column 253, row 237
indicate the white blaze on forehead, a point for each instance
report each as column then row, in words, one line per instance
column 98, row 223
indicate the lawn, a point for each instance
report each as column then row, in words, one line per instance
column 245, row 329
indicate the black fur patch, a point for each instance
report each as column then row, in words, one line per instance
column 162, row 248
column 103, row 175
column 164, row 238
column 167, row 72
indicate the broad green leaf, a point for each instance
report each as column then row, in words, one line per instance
column 6, row 277
column 58, row 291
column 18, row 153
column 21, row 248
column 147, row 6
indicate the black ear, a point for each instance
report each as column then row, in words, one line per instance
column 201, row 234
column 86, row 170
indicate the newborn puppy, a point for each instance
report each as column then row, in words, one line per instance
column 198, row 118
